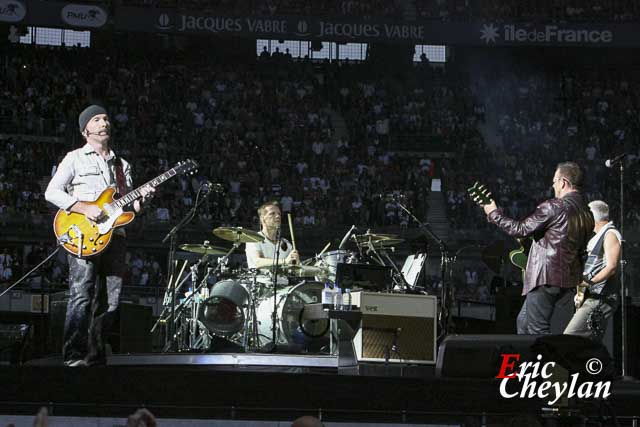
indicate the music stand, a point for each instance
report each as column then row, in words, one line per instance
column 412, row 268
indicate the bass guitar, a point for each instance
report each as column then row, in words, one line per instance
column 580, row 293
column 85, row 238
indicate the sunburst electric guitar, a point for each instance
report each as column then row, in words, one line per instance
column 518, row 257
column 85, row 238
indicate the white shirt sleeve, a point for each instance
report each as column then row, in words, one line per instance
column 56, row 192
column 253, row 252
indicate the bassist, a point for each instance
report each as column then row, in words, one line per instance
column 94, row 283
column 598, row 296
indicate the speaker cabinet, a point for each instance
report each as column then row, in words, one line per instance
column 396, row 328
column 129, row 334
column 23, row 336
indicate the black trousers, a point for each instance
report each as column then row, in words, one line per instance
column 94, row 285
column 539, row 304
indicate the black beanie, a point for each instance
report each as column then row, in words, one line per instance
column 88, row 113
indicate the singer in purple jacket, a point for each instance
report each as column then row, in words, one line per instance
column 560, row 228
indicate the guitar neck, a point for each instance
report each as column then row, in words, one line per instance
column 136, row 194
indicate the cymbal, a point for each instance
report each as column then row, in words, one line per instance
column 378, row 239
column 375, row 236
column 238, row 234
column 297, row 270
column 204, row 249
column 387, row 243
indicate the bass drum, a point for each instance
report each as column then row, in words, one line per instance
column 292, row 327
column 224, row 311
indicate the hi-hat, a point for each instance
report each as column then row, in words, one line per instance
column 238, row 235
column 205, row 249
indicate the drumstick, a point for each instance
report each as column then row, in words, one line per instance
column 181, row 270
column 175, row 264
column 323, row 250
column 293, row 238
column 310, row 260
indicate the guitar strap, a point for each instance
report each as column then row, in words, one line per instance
column 121, row 181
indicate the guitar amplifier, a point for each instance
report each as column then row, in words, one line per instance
column 396, row 328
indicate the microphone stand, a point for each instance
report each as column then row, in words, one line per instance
column 445, row 260
column 27, row 274
column 274, row 314
column 395, row 268
column 65, row 238
column 62, row 240
column 623, row 290
column 398, row 277
column 171, row 236
column 177, row 309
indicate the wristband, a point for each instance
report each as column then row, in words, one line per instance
column 587, row 281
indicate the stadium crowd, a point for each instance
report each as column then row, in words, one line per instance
column 224, row 118
column 587, row 116
column 326, row 139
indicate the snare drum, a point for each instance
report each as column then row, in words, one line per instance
column 292, row 328
column 330, row 260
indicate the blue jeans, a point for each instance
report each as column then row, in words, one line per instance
column 580, row 320
column 94, row 287
column 535, row 315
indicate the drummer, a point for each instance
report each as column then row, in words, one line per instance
column 260, row 255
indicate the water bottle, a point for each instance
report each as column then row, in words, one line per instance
column 204, row 293
column 346, row 300
column 327, row 296
column 337, row 297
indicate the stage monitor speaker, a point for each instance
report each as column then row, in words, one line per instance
column 485, row 353
column 396, row 328
column 479, row 356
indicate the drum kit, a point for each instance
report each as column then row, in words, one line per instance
column 247, row 307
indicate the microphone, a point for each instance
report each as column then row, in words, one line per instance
column 611, row 162
column 284, row 246
column 346, row 237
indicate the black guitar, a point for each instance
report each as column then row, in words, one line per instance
column 518, row 257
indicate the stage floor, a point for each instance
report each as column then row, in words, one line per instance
column 270, row 387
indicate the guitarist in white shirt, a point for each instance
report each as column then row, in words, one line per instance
column 598, row 296
column 94, row 283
